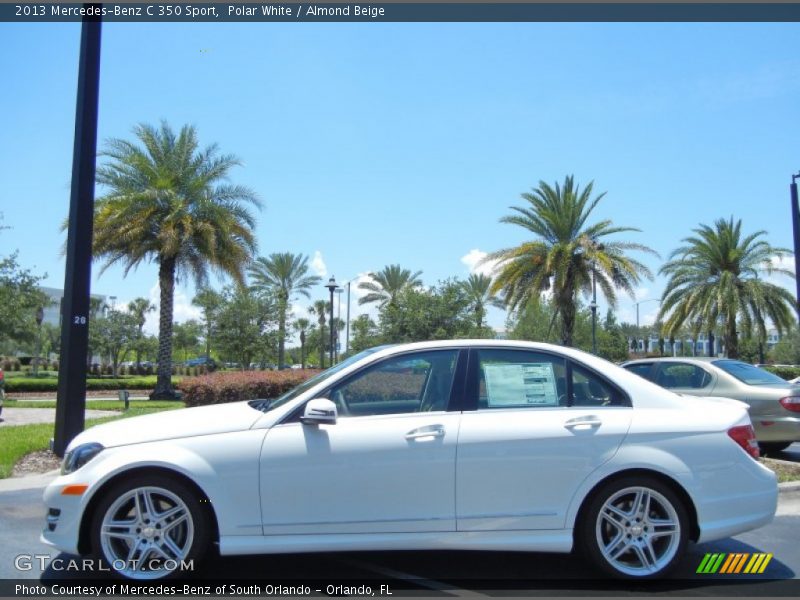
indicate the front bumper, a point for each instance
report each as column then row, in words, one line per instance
column 64, row 515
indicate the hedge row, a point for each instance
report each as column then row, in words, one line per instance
column 218, row 388
column 784, row 372
column 25, row 384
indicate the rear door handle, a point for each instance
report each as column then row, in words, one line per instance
column 583, row 423
column 430, row 431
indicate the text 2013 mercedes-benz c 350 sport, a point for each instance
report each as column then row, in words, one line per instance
column 483, row 445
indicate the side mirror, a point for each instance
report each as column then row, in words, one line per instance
column 319, row 412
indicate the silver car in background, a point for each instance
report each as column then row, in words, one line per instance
column 774, row 403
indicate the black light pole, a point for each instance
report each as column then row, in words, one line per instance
column 593, row 306
column 595, row 248
column 39, row 319
column 332, row 287
column 796, row 230
column 71, row 401
column 347, row 334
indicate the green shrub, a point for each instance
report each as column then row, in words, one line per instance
column 784, row 372
column 221, row 387
column 26, row 384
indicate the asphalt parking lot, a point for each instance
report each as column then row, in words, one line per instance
column 435, row 573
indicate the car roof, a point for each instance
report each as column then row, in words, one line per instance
column 686, row 359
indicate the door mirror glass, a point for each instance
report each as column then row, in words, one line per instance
column 319, row 411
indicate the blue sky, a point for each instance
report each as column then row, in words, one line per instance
column 376, row 143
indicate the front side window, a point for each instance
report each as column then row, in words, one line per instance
column 682, row 375
column 519, row 379
column 410, row 383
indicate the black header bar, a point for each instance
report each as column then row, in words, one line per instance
column 243, row 12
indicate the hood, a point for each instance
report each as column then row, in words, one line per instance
column 172, row 424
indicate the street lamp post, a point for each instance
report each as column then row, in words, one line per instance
column 796, row 231
column 332, row 287
column 339, row 292
column 39, row 319
column 593, row 306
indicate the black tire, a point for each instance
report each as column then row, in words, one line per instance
column 634, row 538
column 773, row 447
column 177, row 520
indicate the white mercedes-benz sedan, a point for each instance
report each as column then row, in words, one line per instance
column 484, row 445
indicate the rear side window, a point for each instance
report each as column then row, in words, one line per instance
column 682, row 375
column 589, row 389
column 748, row 373
column 641, row 369
column 520, row 379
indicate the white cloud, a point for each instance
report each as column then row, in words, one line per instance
column 473, row 261
column 318, row 264
column 182, row 309
column 782, row 262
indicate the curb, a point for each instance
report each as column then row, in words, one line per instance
column 789, row 487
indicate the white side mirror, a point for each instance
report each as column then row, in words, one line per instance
column 318, row 412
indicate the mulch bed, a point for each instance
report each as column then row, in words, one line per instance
column 40, row 461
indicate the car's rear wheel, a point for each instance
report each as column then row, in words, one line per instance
column 150, row 527
column 634, row 527
column 773, row 447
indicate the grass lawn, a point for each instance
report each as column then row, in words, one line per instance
column 19, row 440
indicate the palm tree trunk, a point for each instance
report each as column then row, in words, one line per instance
column 282, row 308
column 731, row 338
column 166, row 282
column 566, row 306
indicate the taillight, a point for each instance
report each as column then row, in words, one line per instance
column 746, row 438
column 791, row 403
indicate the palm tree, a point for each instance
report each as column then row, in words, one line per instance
column 321, row 309
column 285, row 275
column 139, row 307
column 566, row 254
column 167, row 203
column 478, row 291
column 302, row 325
column 387, row 284
column 714, row 279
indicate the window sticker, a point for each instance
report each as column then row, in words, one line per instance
column 524, row 384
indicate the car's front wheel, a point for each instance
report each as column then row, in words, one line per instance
column 150, row 527
column 634, row 527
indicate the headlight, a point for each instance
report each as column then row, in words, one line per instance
column 79, row 456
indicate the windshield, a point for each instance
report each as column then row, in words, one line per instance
column 748, row 373
column 267, row 405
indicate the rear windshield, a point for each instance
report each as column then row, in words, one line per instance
column 748, row 373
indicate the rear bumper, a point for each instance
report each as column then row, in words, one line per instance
column 778, row 429
column 748, row 501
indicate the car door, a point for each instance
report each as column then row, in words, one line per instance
column 386, row 465
column 539, row 427
column 684, row 378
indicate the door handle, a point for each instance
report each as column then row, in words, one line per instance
column 431, row 431
column 583, row 423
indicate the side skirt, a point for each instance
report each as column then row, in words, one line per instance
column 551, row 540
